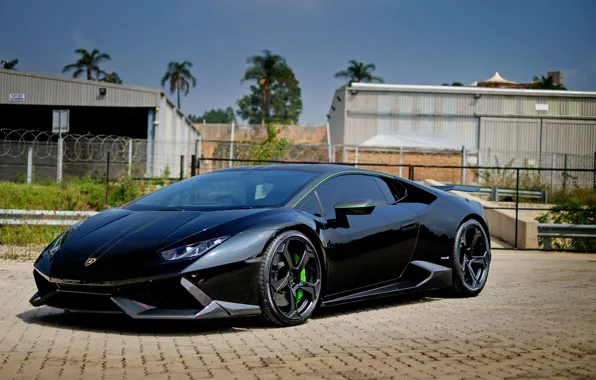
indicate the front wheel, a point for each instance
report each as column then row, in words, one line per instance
column 290, row 280
column 470, row 260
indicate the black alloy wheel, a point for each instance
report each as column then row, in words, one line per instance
column 290, row 280
column 471, row 259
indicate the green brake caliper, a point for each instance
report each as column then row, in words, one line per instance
column 299, row 292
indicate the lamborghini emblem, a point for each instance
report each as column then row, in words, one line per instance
column 90, row 261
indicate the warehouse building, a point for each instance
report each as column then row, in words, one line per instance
column 28, row 102
column 514, row 126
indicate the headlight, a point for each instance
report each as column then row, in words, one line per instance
column 192, row 250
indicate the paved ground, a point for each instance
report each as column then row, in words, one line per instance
column 536, row 318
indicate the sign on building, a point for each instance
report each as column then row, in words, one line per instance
column 16, row 97
column 60, row 121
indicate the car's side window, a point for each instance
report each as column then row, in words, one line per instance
column 393, row 190
column 311, row 205
column 347, row 187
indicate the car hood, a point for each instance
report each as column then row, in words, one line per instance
column 123, row 240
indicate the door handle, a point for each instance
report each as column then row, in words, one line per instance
column 409, row 224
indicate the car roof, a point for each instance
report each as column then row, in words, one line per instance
column 319, row 168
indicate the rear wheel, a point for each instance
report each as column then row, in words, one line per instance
column 289, row 279
column 471, row 259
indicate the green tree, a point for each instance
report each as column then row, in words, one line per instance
column 285, row 105
column 275, row 83
column 359, row 72
column 546, row 83
column 10, row 65
column 112, row 77
column 180, row 78
column 88, row 63
column 456, row 84
column 215, row 116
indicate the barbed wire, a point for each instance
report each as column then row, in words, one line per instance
column 83, row 148
column 15, row 143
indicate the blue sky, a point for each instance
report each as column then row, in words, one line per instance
column 411, row 41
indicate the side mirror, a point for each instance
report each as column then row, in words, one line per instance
column 354, row 207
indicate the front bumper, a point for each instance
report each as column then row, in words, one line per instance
column 171, row 298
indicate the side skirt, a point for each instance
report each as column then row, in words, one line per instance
column 418, row 276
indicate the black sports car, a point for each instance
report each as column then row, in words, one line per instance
column 275, row 240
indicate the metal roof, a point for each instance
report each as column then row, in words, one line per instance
column 467, row 90
column 44, row 89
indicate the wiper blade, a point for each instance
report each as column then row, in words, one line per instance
column 170, row 209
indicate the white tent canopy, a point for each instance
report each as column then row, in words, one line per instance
column 498, row 79
column 413, row 140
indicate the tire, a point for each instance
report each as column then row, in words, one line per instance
column 470, row 265
column 289, row 292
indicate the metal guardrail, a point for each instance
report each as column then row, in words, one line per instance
column 42, row 217
column 567, row 231
column 496, row 192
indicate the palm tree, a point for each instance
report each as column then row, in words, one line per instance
column 180, row 78
column 546, row 83
column 112, row 77
column 359, row 72
column 456, row 84
column 88, row 63
column 10, row 65
column 268, row 69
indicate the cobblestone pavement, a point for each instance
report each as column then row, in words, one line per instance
column 535, row 319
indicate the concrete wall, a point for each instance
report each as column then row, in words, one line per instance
column 502, row 222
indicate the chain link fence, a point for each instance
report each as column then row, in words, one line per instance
column 34, row 156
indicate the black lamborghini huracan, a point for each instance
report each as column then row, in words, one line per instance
column 275, row 240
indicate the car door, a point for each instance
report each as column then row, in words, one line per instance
column 366, row 249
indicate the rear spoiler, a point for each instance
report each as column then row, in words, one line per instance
column 467, row 189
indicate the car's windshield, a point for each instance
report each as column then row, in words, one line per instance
column 226, row 190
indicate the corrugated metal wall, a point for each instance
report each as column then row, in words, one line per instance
column 521, row 135
column 565, row 136
column 456, row 115
column 53, row 90
column 175, row 136
column 336, row 117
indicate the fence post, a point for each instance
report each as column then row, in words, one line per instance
column 356, row 157
column 565, row 173
column 490, row 159
column 552, row 172
column 463, row 165
column 130, row 157
column 30, row 165
column 401, row 160
column 181, row 167
column 594, row 171
column 199, row 153
column 329, row 144
column 107, row 178
column 232, row 143
column 193, row 165
column 494, row 191
column 547, row 243
column 59, row 159
column 516, row 204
